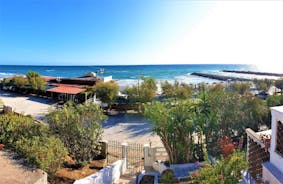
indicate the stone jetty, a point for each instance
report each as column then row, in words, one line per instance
column 219, row 77
column 254, row 73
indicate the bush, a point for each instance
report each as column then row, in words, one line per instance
column 145, row 92
column 14, row 127
column 79, row 128
column 20, row 81
column 36, row 81
column 32, row 141
column 240, row 87
column 47, row 153
column 274, row 101
column 226, row 146
column 176, row 90
column 107, row 91
column 226, row 171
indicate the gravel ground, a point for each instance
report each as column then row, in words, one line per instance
column 12, row 171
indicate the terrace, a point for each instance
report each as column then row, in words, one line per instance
column 265, row 152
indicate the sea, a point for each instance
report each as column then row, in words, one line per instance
column 130, row 74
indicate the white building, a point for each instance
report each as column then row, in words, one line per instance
column 265, row 152
column 272, row 171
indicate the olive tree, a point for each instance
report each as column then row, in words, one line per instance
column 79, row 128
column 144, row 92
column 263, row 84
column 107, row 91
column 20, row 81
column 36, row 81
column 176, row 90
column 243, row 88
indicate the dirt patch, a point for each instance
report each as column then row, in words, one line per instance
column 69, row 175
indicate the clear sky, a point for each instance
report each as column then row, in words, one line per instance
column 102, row 32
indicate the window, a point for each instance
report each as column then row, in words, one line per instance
column 279, row 139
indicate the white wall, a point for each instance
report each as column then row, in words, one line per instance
column 276, row 159
column 109, row 174
column 107, row 79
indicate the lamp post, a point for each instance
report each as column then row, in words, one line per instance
column 138, row 83
column 102, row 72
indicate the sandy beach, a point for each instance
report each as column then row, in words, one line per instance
column 123, row 128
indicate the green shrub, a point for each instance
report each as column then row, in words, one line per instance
column 226, row 171
column 144, row 92
column 14, row 127
column 176, row 90
column 107, row 91
column 274, row 101
column 36, row 81
column 20, row 81
column 79, row 128
column 47, row 153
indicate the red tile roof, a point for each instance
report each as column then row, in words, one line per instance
column 68, row 85
column 66, row 90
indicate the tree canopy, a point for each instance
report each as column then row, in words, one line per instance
column 79, row 128
column 144, row 92
column 176, row 90
column 107, row 91
column 36, row 81
column 174, row 124
column 226, row 171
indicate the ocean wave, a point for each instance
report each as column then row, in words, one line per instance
column 4, row 74
column 49, row 70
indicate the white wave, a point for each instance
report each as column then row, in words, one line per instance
column 4, row 74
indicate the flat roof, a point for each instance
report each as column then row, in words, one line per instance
column 67, row 90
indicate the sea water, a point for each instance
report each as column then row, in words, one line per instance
column 131, row 74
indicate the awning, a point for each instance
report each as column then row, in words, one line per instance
column 66, row 90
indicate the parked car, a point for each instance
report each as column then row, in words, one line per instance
column 262, row 95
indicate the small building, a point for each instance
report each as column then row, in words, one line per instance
column 265, row 152
column 66, row 89
column 65, row 92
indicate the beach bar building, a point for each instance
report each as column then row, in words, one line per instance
column 70, row 89
column 66, row 89
column 265, row 152
column 65, row 92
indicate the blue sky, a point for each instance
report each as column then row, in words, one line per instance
column 102, row 32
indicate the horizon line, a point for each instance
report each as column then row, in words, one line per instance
column 128, row 64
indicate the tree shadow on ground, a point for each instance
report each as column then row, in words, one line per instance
column 135, row 124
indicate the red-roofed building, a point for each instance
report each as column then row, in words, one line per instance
column 65, row 93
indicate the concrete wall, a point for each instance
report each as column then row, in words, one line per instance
column 275, row 158
column 109, row 174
